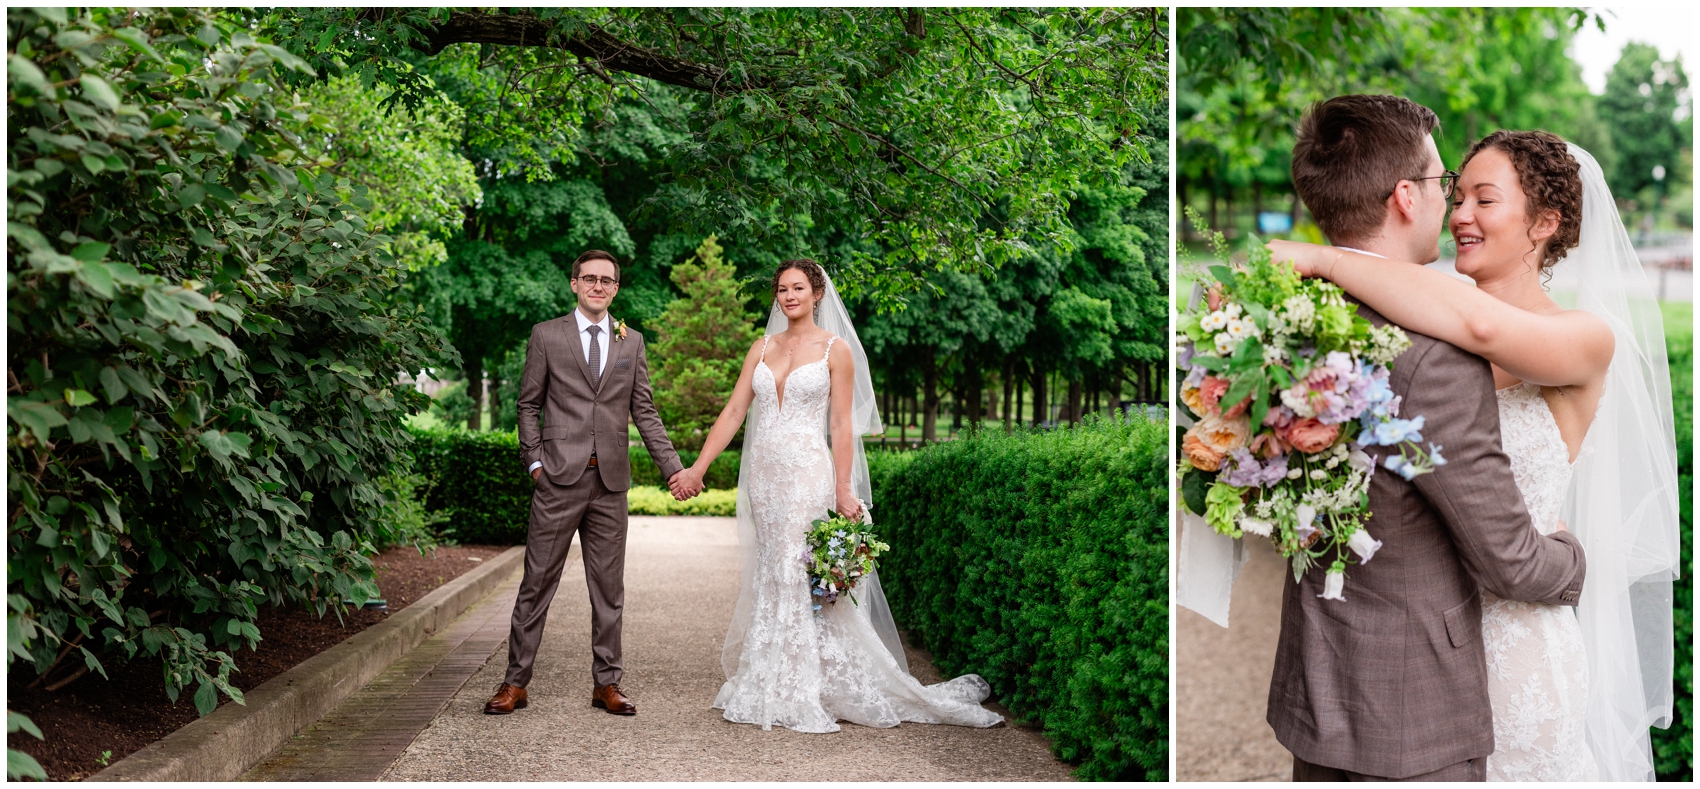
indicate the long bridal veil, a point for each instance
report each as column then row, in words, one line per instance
column 865, row 419
column 1623, row 499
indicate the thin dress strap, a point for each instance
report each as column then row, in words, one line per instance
column 763, row 356
column 828, row 354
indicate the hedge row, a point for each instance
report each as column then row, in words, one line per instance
column 475, row 477
column 1673, row 748
column 1039, row 561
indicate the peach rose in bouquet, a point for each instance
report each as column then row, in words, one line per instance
column 1212, row 438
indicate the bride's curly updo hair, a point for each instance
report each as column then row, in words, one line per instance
column 1551, row 179
column 810, row 269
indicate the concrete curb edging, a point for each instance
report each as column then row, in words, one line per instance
column 227, row 743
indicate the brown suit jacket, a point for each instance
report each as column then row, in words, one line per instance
column 1392, row 682
column 580, row 419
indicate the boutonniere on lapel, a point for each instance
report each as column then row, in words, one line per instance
column 619, row 330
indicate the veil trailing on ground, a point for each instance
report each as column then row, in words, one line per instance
column 1623, row 498
column 864, row 419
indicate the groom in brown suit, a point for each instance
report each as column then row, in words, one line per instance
column 587, row 376
column 1391, row 684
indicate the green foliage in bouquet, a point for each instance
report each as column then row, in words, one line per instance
column 841, row 553
column 1039, row 561
column 475, row 478
column 201, row 353
column 1283, row 385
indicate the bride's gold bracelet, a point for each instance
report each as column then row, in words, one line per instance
column 1330, row 275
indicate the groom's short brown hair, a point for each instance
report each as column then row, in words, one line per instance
column 595, row 254
column 1350, row 151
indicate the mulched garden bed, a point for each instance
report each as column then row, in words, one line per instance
column 93, row 722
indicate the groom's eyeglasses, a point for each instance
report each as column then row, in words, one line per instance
column 1448, row 183
column 590, row 281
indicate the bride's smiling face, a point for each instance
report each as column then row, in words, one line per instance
column 797, row 298
column 1490, row 221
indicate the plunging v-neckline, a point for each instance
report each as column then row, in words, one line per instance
column 779, row 388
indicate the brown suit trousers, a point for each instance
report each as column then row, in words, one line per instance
column 583, row 416
column 1392, row 682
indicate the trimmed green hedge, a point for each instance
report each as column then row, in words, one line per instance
column 476, row 478
column 1039, row 561
column 1673, row 748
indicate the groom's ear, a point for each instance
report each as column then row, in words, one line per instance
column 1403, row 202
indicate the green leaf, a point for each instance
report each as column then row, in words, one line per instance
column 138, row 41
column 97, row 278
column 39, row 418
column 91, row 251
column 94, row 663
column 228, row 138
column 16, row 722
column 1194, row 485
column 20, row 765
column 206, row 698
column 113, row 385
column 97, row 91
column 22, row 70
column 95, row 164
column 191, row 195
column 79, row 397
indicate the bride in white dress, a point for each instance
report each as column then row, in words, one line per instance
column 1586, row 421
column 804, row 399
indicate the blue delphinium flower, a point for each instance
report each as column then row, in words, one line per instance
column 1434, row 455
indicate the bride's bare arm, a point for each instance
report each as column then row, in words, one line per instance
column 731, row 418
column 843, row 369
column 1563, row 349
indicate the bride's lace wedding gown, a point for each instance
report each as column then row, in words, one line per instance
column 1537, row 671
column 795, row 669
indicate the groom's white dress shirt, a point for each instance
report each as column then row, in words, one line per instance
column 584, row 325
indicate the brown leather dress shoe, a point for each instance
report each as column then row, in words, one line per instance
column 507, row 699
column 610, row 698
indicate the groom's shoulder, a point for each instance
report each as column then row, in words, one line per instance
column 1444, row 359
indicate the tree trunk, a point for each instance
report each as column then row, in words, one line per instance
column 1074, row 400
column 475, row 390
column 930, row 410
column 1008, row 388
column 975, row 396
column 1039, row 405
column 495, row 398
column 1020, row 407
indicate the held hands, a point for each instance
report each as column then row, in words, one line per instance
column 685, row 484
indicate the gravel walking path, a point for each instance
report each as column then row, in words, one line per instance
column 681, row 583
column 1222, row 681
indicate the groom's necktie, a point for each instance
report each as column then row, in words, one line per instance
column 595, row 357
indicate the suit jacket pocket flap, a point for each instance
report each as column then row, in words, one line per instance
column 1464, row 622
column 555, row 432
column 621, row 364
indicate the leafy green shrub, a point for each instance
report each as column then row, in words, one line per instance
column 476, row 479
column 405, row 521
column 202, row 349
column 1673, row 748
column 1039, row 561
column 651, row 500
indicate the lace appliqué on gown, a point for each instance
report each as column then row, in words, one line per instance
column 797, row 670
column 1537, row 671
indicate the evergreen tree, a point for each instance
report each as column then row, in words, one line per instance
column 701, row 345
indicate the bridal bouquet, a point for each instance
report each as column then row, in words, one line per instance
column 1288, row 387
column 839, row 552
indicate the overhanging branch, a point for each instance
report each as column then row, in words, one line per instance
column 591, row 43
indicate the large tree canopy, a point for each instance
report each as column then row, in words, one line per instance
column 946, row 138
